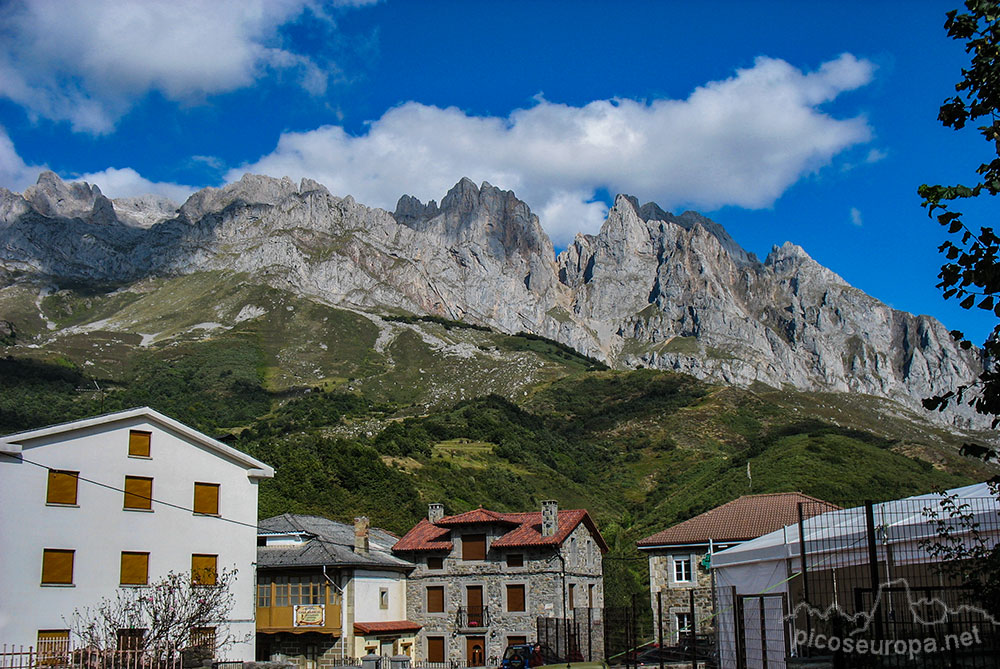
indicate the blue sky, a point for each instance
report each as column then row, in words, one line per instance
column 808, row 122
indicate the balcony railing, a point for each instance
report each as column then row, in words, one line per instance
column 473, row 617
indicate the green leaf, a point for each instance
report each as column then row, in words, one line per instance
column 968, row 302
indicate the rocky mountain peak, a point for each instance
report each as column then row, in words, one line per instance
column 52, row 197
column 789, row 259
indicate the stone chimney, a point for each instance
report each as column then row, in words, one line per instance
column 361, row 534
column 550, row 517
column 435, row 512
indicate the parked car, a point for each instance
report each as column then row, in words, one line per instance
column 523, row 656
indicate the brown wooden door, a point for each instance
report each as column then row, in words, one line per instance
column 475, row 653
column 474, row 602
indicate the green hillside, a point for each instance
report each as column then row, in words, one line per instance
column 375, row 414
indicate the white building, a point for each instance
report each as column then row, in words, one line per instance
column 114, row 501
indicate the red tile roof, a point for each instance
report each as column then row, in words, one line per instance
column 425, row 537
column 386, row 627
column 526, row 531
column 745, row 518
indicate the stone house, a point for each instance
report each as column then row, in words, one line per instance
column 482, row 579
column 327, row 591
column 95, row 507
column 679, row 556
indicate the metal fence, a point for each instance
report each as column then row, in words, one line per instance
column 62, row 656
column 898, row 584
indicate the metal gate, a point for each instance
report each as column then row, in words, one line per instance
column 761, row 631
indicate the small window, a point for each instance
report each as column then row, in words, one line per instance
column 682, row 621
column 515, row 560
column 138, row 492
column 203, row 637
column 435, row 649
column 435, row 562
column 57, row 566
column 53, row 647
column 62, row 487
column 263, row 592
column 131, row 639
column 383, row 598
column 473, row 547
column 435, row 599
column 518, row 640
column 134, row 569
column 571, row 597
column 590, row 596
column 515, row 597
column 206, row 498
column 204, row 569
column 682, row 570
column 138, row 443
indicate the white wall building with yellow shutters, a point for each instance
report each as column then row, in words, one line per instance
column 118, row 501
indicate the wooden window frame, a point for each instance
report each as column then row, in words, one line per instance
column 444, row 648
column 138, row 500
column 57, row 559
column 140, row 444
column 62, row 488
column 427, row 599
column 470, row 547
column 523, row 596
column 207, row 503
column 199, row 563
column 129, row 556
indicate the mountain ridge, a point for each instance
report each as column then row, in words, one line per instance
column 650, row 289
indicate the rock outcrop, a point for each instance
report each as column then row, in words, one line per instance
column 651, row 289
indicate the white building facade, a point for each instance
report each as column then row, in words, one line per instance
column 118, row 501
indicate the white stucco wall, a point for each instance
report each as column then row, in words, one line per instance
column 98, row 529
column 367, row 586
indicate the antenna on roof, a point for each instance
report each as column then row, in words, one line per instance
column 99, row 390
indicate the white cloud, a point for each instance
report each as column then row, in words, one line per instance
column 126, row 182
column 742, row 142
column 856, row 216
column 88, row 62
column 875, row 155
column 15, row 174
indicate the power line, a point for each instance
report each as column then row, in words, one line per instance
column 151, row 499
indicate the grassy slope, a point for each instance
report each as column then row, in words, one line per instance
column 428, row 413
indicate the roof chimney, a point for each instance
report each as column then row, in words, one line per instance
column 361, row 534
column 435, row 512
column 550, row 517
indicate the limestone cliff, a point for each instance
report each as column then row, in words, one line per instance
column 651, row 289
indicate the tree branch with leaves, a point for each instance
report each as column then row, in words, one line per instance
column 972, row 271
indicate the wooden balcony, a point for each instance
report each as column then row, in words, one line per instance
column 283, row 619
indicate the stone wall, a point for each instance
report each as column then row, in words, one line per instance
column 674, row 595
column 306, row 651
column 541, row 574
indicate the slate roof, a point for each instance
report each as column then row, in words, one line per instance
column 745, row 518
column 329, row 543
column 525, row 532
column 386, row 627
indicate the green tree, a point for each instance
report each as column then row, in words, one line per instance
column 971, row 273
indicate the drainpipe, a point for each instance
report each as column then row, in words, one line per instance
column 343, row 613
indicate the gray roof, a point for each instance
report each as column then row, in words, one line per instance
column 330, row 543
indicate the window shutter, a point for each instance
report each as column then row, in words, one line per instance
column 57, row 566
column 204, row 569
column 62, row 487
column 138, row 443
column 515, row 597
column 515, row 560
column 473, row 546
column 435, row 599
column 53, row 644
column 206, row 498
column 435, row 649
column 435, row 562
column 138, row 492
column 135, row 568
